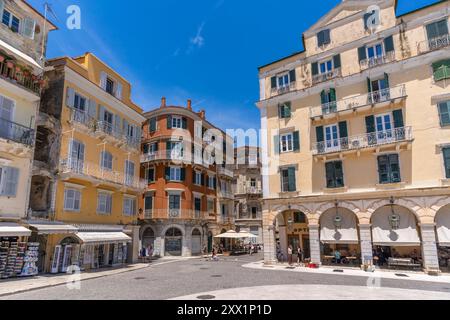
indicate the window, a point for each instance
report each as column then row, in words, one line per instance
column 197, row 204
column 323, row 38
column 211, row 182
column 288, row 181
column 334, row 174
column 104, row 203
column 72, row 200
column 283, row 81
column 177, row 122
column 441, row 70
column 153, row 124
column 11, row 21
column 106, row 161
column 284, row 111
column 79, row 102
column 444, row 113
column 375, row 51
column 151, row 148
column 287, row 143
column 76, row 160
column 129, row 172
column 253, row 183
column 175, row 150
column 254, row 211
column 446, row 152
column 109, row 86
column 299, row 217
column 175, row 174
column 326, row 66
column 148, row 204
column 211, row 205
column 174, row 204
column 437, row 29
column 389, row 168
column 197, row 178
column 129, row 207
column 9, row 179
column 150, row 175
column 328, row 101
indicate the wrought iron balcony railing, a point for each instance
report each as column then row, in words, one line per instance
column 363, row 141
column 15, row 132
column 362, row 100
column 376, row 61
column 82, row 117
column 188, row 214
column 14, row 73
column 326, row 76
column 284, row 89
column 433, row 44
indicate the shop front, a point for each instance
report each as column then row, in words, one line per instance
column 396, row 239
column 443, row 238
column 58, row 246
column 102, row 249
column 339, row 239
column 18, row 256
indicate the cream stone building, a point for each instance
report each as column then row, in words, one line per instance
column 356, row 149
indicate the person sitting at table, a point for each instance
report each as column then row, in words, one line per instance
column 337, row 256
column 395, row 254
column 415, row 256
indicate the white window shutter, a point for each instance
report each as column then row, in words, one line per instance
column 117, row 122
column 103, row 77
column 28, row 28
column 119, row 91
column 10, row 182
column 101, row 114
column 92, row 110
column 2, row 6
column 70, row 97
column 125, row 127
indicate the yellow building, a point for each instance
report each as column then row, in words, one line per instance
column 87, row 169
column 23, row 40
column 357, row 148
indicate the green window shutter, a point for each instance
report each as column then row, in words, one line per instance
column 146, row 148
column 383, row 170
column 292, row 182
column 323, row 97
column 332, row 94
column 315, row 68
column 281, row 111
column 343, row 132
column 369, row 85
column 203, row 179
column 337, row 61
column 339, row 174
column 370, row 124
column 319, row 134
column 184, row 123
column 169, row 122
column 442, row 27
column 320, row 39
column 446, row 152
column 362, row 53
column 292, row 76
column 276, row 144
column 398, row 118
column 169, row 149
column 441, row 70
column 326, row 36
column 167, row 173
column 151, row 175
column 296, row 136
column 156, row 146
column 273, row 81
column 287, row 110
column 152, row 124
column 389, row 44
column 193, row 176
column 329, row 169
column 432, row 31
column 183, row 174
column 394, row 166
column 444, row 113
column 386, row 78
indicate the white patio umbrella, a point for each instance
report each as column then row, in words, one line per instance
column 247, row 235
column 231, row 234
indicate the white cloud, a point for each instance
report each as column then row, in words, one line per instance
column 197, row 41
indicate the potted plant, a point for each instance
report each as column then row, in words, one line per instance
column 2, row 58
column 9, row 64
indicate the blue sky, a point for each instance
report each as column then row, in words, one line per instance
column 204, row 50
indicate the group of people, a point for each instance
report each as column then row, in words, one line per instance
column 146, row 252
column 299, row 253
column 381, row 256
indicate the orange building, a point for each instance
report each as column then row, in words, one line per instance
column 179, row 209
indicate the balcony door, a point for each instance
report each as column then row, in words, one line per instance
column 332, row 142
column 76, row 161
column 380, row 90
column 6, row 117
column 384, row 128
column 108, row 122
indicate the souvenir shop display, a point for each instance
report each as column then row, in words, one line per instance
column 31, row 257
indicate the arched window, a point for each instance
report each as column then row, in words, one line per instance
column 299, row 217
column 196, row 232
column 174, row 232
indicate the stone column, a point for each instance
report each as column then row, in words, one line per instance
column 187, row 242
column 283, row 240
column 314, row 240
column 133, row 254
column 365, row 236
column 159, row 242
column 429, row 248
column 268, row 234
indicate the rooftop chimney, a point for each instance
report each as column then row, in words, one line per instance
column 202, row 114
column 189, row 104
column 163, row 102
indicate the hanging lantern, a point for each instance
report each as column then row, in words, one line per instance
column 394, row 218
column 337, row 219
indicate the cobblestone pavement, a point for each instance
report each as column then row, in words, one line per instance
column 174, row 279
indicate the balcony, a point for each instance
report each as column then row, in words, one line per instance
column 364, row 141
column 433, row 44
column 377, row 61
column 93, row 172
column 284, row 89
column 15, row 132
column 249, row 216
column 225, row 195
column 82, row 120
column 249, row 190
column 225, row 172
column 186, row 214
column 326, row 76
column 14, row 73
column 369, row 100
column 105, row 130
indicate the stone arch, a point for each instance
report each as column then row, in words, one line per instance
column 439, row 203
column 322, row 208
column 346, row 232
column 177, row 226
column 144, row 229
column 413, row 207
column 197, row 230
column 148, row 236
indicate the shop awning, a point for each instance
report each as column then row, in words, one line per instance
column 345, row 233
column 406, row 235
column 13, row 230
column 25, row 58
column 52, row 228
column 443, row 228
column 102, row 237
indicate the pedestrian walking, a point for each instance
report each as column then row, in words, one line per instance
column 252, row 248
column 300, row 257
column 290, row 255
